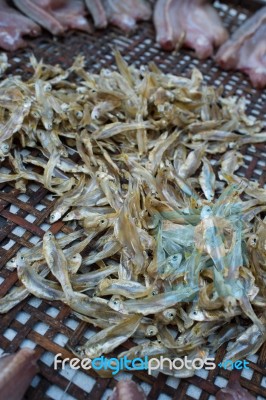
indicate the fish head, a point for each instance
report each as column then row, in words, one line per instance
column 95, row 114
column 76, row 258
column 79, row 351
column 84, row 169
column 230, row 302
column 116, row 304
column 169, row 314
column 175, row 259
column 253, row 241
column 12, row 264
column 210, row 196
column 100, row 223
column 4, row 147
column 100, row 175
column 20, row 261
column 206, row 212
column 47, row 87
column 103, row 222
column 94, row 351
column 75, row 261
column 35, row 114
column 155, row 291
column 151, row 330
column 55, row 216
column 181, row 340
column 196, row 314
column 79, row 114
column 48, row 236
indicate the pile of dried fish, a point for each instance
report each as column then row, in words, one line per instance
column 176, row 240
column 60, row 16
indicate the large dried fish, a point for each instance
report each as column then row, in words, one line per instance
column 14, row 26
column 246, row 49
column 194, row 23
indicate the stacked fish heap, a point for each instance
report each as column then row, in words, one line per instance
column 177, row 241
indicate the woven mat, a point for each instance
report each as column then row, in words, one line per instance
column 48, row 327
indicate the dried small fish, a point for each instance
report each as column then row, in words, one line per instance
column 109, row 338
column 36, row 284
column 128, row 289
column 15, row 122
column 246, row 343
column 192, row 163
column 153, row 304
column 231, row 161
column 169, row 239
column 10, row 300
column 57, row 263
column 207, row 180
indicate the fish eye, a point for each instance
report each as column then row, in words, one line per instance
column 115, row 302
column 154, row 292
column 52, row 216
column 195, row 312
column 106, row 72
column 22, row 257
column 50, row 234
column 47, row 87
column 79, row 114
column 102, row 221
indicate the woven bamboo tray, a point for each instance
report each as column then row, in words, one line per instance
column 46, row 326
